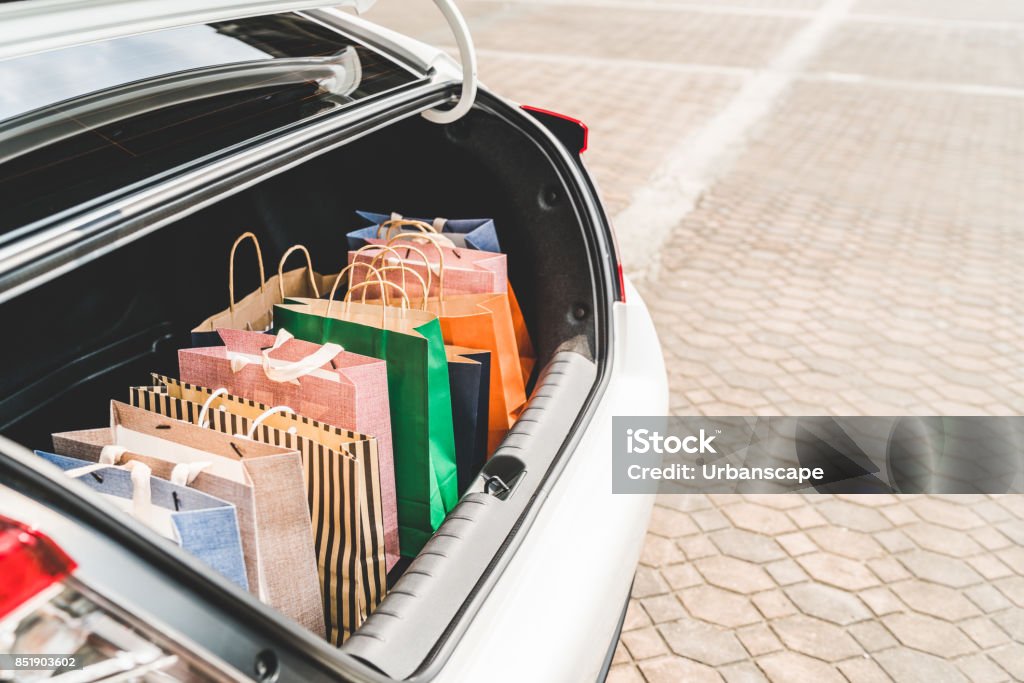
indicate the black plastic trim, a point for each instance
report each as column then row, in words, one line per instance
column 610, row 655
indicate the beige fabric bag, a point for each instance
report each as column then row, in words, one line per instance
column 264, row 482
column 341, row 466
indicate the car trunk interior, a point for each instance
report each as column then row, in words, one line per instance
column 84, row 337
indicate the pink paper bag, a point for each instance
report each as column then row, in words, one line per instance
column 319, row 381
column 466, row 271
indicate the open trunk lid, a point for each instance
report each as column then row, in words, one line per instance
column 37, row 25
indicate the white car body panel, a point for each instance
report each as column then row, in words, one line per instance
column 552, row 615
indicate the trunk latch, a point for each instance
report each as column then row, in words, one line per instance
column 501, row 475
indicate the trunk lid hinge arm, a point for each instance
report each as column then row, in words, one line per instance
column 467, row 55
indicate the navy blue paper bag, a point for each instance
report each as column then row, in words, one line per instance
column 469, row 373
column 465, row 233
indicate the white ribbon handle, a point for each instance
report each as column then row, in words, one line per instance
column 142, row 501
column 184, row 473
column 77, row 472
column 290, row 371
column 111, row 455
column 142, row 508
column 142, row 492
column 267, row 413
column 203, row 422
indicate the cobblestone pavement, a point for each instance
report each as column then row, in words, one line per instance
column 850, row 243
column 828, row 588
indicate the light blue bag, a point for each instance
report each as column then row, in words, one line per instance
column 201, row 524
column 468, row 233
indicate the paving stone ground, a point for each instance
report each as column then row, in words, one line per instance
column 855, row 250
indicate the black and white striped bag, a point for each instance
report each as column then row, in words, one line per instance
column 343, row 486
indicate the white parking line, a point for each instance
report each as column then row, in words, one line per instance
column 705, row 8
column 953, row 88
column 646, row 224
column 930, row 22
column 645, row 5
column 615, row 62
column 971, row 89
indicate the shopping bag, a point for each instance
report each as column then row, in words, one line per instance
column 466, row 233
column 469, row 374
column 202, row 525
column 349, row 539
column 481, row 321
column 264, row 482
column 465, row 272
column 527, row 356
column 254, row 312
column 419, row 394
column 323, row 383
column 319, row 443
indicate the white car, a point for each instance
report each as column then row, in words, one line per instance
column 137, row 139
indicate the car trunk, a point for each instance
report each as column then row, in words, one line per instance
column 84, row 337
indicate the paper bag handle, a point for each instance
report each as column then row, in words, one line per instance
column 267, row 413
column 231, row 266
column 291, row 371
column 309, row 270
column 112, row 455
column 78, row 472
column 432, row 239
column 438, row 223
column 400, row 223
column 405, row 269
column 382, row 282
column 184, row 473
column 207, row 404
column 383, row 304
column 373, row 262
column 142, row 492
column 341, row 276
column 425, row 228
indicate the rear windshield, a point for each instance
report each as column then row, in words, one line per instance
column 79, row 123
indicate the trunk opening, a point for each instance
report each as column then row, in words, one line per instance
column 85, row 337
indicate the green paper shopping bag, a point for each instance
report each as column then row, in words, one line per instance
column 418, row 390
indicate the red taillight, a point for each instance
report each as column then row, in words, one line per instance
column 622, row 285
column 47, row 614
column 29, row 563
column 573, row 133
